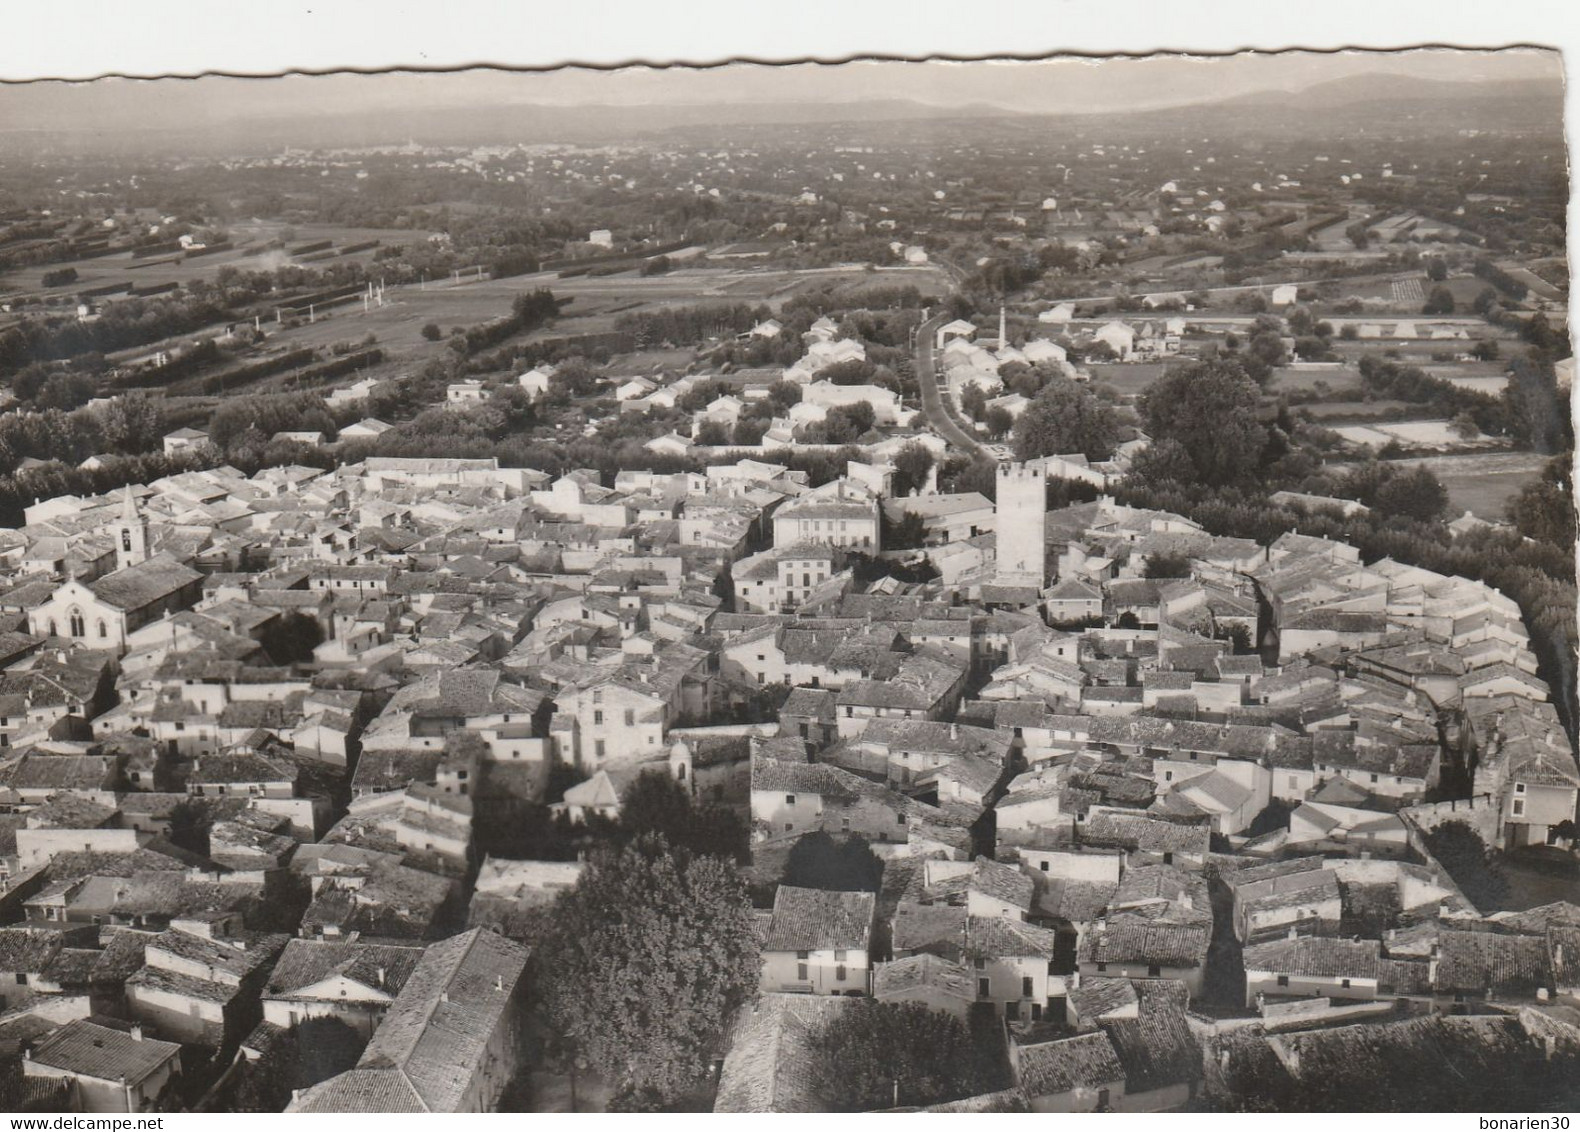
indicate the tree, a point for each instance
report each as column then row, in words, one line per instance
column 1210, row 409
column 1167, row 566
column 132, row 423
column 1415, row 494
column 648, row 957
column 1545, row 510
column 1000, row 421
column 658, row 805
column 973, row 401
column 907, row 532
column 1462, row 853
column 1267, row 347
column 291, row 638
column 1439, row 301
column 1066, row 418
column 1486, row 350
column 1436, row 270
column 912, row 463
column 313, row 1050
column 190, row 822
column 432, row 332
column 818, row 861
column 871, row 1055
column 66, row 391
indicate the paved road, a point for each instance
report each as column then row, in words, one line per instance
column 932, row 385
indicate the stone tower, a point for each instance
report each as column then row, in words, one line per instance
column 131, row 534
column 1021, row 521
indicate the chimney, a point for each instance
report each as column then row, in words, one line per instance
column 379, row 978
column 499, row 982
column 1293, row 933
column 137, row 1032
column 1223, row 1059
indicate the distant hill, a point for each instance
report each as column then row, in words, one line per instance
column 1383, row 87
column 57, row 119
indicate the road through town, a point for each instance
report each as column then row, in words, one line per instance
column 930, row 382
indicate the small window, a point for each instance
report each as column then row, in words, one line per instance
column 1374, row 778
column 839, row 973
column 1283, row 980
column 630, row 717
column 1102, row 966
column 980, row 964
column 1025, row 986
column 803, row 955
column 1044, row 866
column 1345, row 984
column 597, row 718
column 21, row 979
column 1168, row 858
column 801, row 972
column 839, row 956
column 1519, row 807
column 1154, row 971
column 1519, row 787
column 982, row 988
column 789, row 799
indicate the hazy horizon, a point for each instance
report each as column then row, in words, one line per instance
column 1051, row 85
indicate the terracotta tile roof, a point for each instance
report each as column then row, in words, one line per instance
column 438, row 1026
column 769, row 1064
column 809, row 919
column 1085, row 1062
column 87, row 1049
column 1484, row 962
column 362, row 1090
column 1132, row 940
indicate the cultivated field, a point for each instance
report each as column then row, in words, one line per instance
column 248, row 255
column 1342, row 380
column 1479, row 482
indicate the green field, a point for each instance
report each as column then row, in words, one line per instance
column 1482, row 483
column 1345, row 381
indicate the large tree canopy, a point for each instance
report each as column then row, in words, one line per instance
column 649, row 955
column 1210, row 409
column 1065, row 418
column 873, row 1055
column 818, row 861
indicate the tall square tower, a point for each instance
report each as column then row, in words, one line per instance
column 1021, row 514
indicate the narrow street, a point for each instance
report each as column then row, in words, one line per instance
column 931, row 385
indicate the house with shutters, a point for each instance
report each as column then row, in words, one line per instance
column 450, row 1041
column 818, row 942
column 351, row 980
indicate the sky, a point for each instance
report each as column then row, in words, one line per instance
column 1063, row 84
